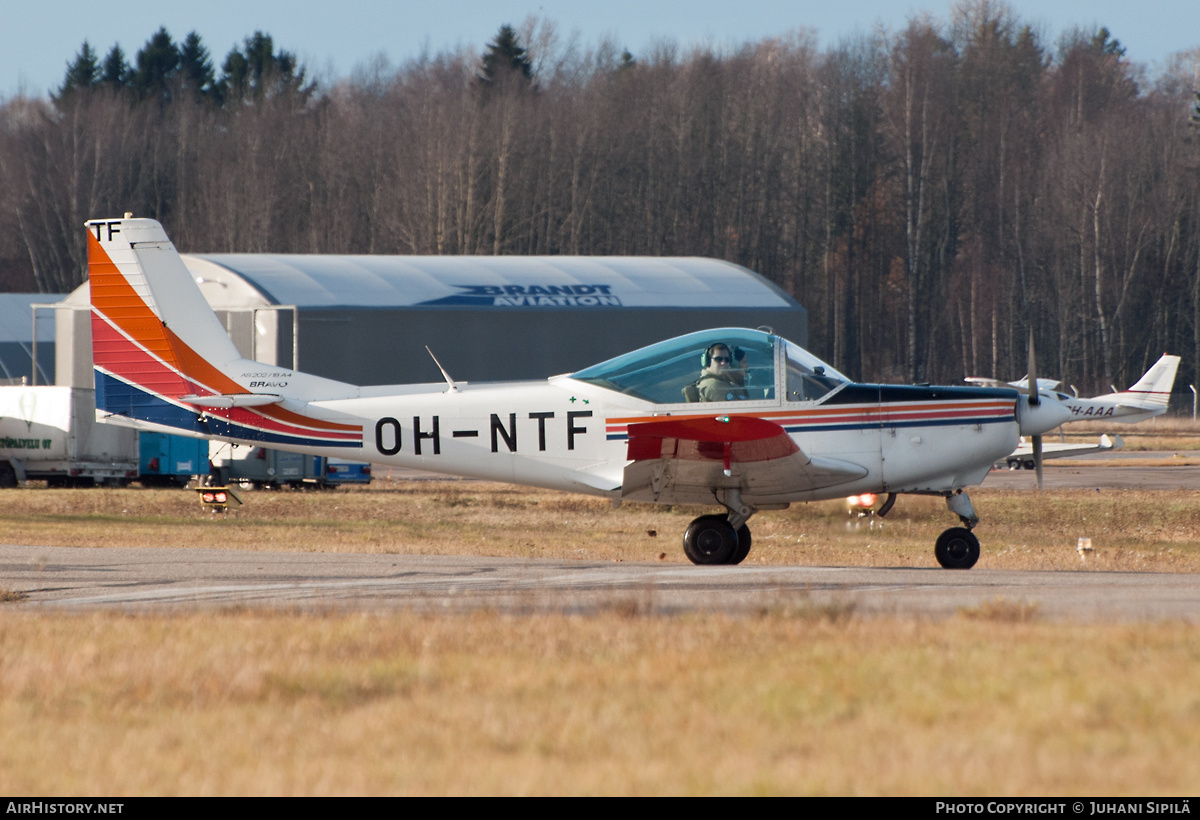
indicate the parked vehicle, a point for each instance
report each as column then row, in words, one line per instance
column 338, row 472
column 264, row 468
column 165, row 460
column 50, row 433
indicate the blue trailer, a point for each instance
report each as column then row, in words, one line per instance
column 170, row 461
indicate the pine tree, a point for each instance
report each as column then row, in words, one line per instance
column 116, row 71
column 157, row 66
column 506, row 63
column 82, row 72
column 258, row 71
column 195, row 67
column 1104, row 43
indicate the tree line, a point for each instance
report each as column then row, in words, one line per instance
column 168, row 71
column 929, row 195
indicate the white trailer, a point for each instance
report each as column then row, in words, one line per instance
column 51, row 434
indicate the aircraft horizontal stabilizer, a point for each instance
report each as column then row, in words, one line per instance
column 120, row 420
column 232, row 400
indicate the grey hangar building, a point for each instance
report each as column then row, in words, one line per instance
column 367, row 319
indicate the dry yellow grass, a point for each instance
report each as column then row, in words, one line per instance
column 790, row 702
column 1163, row 433
column 1151, row 459
column 801, row 699
column 1129, row 530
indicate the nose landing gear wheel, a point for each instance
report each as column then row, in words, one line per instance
column 957, row 548
column 710, row 540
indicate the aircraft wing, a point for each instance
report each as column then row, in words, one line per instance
column 1051, row 449
column 684, row 460
column 1023, row 384
column 983, row 381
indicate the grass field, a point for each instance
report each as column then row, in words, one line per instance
column 792, row 700
column 1163, row 434
column 798, row 702
column 1129, row 530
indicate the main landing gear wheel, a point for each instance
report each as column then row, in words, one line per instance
column 743, row 547
column 710, row 540
column 957, row 548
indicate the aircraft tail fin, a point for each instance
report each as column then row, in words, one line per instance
column 148, row 315
column 1153, row 390
column 162, row 358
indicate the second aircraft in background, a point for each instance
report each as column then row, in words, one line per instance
column 1147, row 398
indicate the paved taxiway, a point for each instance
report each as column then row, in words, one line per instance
column 1104, row 471
column 77, row 579
column 73, row 579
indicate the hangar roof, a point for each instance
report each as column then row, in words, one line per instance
column 325, row 281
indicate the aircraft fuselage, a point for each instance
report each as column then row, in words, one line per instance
column 567, row 435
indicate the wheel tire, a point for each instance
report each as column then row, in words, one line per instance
column 8, row 476
column 710, row 540
column 743, row 547
column 957, row 548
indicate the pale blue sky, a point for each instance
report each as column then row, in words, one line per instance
column 38, row 38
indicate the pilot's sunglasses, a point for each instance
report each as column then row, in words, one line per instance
column 721, row 359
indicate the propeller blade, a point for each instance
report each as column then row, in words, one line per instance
column 1037, row 459
column 1034, row 398
column 1039, row 414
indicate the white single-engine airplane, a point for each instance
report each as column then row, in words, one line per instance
column 1147, row 398
column 735, row 418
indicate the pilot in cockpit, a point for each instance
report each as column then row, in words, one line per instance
column 723, row 377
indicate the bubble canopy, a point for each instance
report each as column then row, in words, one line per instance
column 765, row 367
